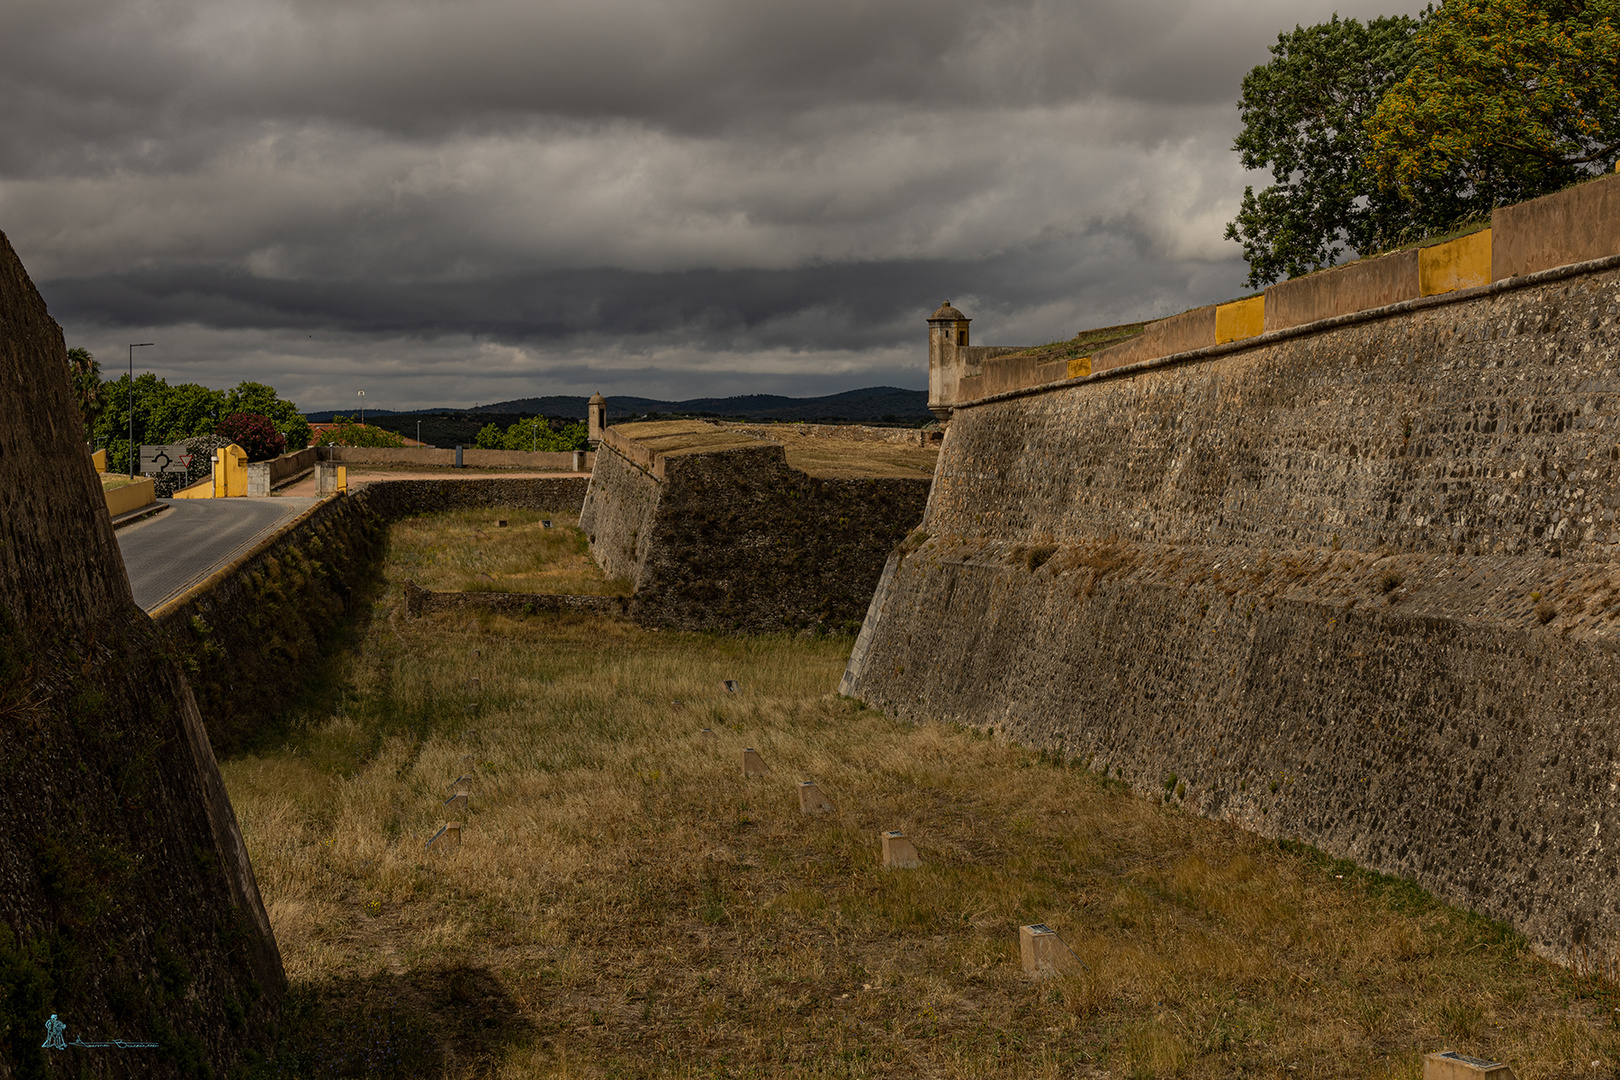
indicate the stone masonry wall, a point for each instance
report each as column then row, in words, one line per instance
column 618, row 514
column 738, row 540
column 1357, row 588
column 128, row 906
column 249, row 635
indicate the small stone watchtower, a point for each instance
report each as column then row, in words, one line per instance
column 596, row 412
column 947, row 333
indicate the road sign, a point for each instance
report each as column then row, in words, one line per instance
column 161, row 459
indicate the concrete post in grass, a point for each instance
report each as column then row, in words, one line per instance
column 1043, row 952
column 1450, row 1065
column 812, row 801
column 448, row 838
column 753, row 764
column 898, row 852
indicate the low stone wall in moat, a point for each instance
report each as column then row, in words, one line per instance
column 736, row 539
column 1356, row 588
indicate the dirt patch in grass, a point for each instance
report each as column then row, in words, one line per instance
column 470, row 551
column 626, row 903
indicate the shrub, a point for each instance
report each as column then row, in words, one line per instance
column 255, row 434
column 349, row 433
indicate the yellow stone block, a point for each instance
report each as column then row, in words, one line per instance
column 1080, row 367
column 1240, row 319
column 99, row 460
column 1456, row 264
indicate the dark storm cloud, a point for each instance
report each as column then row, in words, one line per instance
column 577, row 186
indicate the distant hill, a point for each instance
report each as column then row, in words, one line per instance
column 876, row 405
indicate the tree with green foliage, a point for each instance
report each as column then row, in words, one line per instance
column 171, row 414
column 1507, row 100
column 85, row 371
column 535, row 433
column 349, row 433
column 1303, row 114
column 261, row 400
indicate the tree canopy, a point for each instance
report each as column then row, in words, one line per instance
column 1302, row 119
column 534, row 434
column 172, row 414
column 1507, row 100
column 85, row 370
column 1380, row 134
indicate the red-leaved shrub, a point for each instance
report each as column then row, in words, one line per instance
column 255, row 434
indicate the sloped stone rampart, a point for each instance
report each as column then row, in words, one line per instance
column 737, row 540
column 1358, row 587
column 127, row 903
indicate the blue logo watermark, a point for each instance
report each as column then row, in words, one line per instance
column 54, row 1029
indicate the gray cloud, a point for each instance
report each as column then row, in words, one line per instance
column 679, row 197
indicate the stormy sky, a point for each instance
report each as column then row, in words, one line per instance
column 450, row 202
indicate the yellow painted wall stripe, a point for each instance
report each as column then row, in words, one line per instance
column 1240, row 319
column 1457, row 264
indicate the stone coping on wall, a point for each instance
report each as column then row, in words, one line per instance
column 1271, row 337
column 1572, row 227
column 651, row 445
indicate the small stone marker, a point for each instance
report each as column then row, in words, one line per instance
column 812, row 801
column 448, row 837
column 458, row 801
column 500, row 523
column 1042, row 950
column 458, row 781
column 730, row 685
column 898, row 852
column 1450, row 1065
column 753, row 764
column 709, row 735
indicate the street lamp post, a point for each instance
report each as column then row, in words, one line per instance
column 419, row 433
column 133, row 346
column 362, row 408
column 534, row 436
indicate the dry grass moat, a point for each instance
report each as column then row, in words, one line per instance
column 625, row 903
column 470, row 551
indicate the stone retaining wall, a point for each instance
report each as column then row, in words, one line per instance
column 420, row 602
column 1357, row 587
column 737, row 540
column 250, row 633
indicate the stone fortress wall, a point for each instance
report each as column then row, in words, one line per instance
column 1576, row 225
column 1352, row 582
column 716, row 530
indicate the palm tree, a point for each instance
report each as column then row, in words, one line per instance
column 85, row 371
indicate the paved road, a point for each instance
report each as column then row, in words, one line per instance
column 193, row 538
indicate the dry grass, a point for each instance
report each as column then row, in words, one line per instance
column 625, row 903
column 468, row 551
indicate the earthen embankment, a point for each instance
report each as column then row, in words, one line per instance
column 1356, row 587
